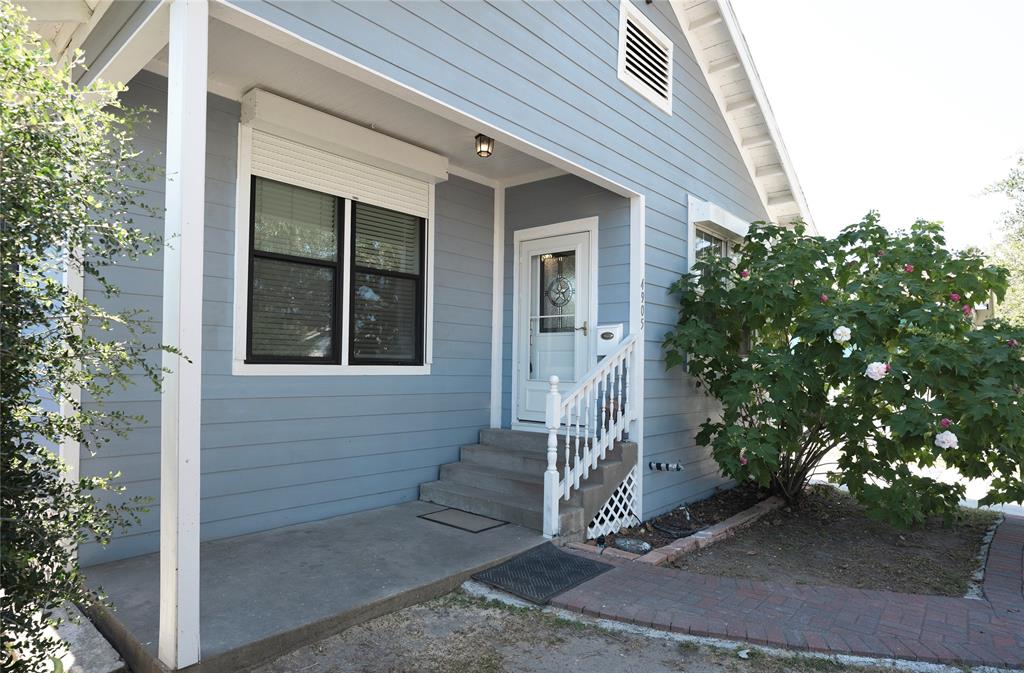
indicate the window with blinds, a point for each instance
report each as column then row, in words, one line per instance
column 297, row 304
column 645, row 57
column 293, row 274
column 387, row 287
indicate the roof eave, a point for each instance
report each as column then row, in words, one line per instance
column 714, row 35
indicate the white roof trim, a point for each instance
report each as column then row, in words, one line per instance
column 714, row 34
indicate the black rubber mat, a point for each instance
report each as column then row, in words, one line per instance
column 540, row 574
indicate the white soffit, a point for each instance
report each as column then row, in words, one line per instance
column 63, row 24
column 714, row 34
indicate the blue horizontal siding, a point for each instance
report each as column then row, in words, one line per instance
column 546, row 73
column 281, row 450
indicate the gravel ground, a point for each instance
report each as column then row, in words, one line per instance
column 459, row 633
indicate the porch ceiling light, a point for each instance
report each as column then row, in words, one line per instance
column 484, row 145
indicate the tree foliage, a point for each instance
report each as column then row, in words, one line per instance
column 862, row 350
column 1009, row 252
column 66, row 166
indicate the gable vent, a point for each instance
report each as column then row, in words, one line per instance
column 645, row 57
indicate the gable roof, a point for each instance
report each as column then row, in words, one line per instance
column 714, row 34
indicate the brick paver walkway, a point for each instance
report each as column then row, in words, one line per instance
column 835, row 620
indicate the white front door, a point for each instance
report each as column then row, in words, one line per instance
column 555, row 314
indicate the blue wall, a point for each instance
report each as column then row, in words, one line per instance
column 279, row 450
column 546, row 72
column 559, row 200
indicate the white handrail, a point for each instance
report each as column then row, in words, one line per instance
column 593, row 416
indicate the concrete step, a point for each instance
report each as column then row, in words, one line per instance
column 531, row 464
column 503, row 477
column 509, row 459
column 528, row 486
column 494, row 479
column 514, row 508
column 516, row 439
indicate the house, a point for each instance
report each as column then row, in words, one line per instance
column 393, row 226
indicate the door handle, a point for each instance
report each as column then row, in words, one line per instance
column 585, row 329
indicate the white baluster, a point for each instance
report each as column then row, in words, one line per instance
column 620, row 409
column 576, row 458
column 554, row 413
column 588, row 444
column 630, row 365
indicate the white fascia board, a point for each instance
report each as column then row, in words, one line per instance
column 286, row 118
column 758, row 100
column 747, row 60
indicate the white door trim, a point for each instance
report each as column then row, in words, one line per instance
column 584, row 225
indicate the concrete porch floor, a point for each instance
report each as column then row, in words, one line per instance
column 266, row 593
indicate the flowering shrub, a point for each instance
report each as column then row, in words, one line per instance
column 886, row 377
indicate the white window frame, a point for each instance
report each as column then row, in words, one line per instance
column 627, row 10
column 267, row 112
column 713, row 219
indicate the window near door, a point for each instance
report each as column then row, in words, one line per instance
column 707, row 244
column 297, row 304
column 387, row 287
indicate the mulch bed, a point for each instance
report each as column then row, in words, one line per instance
column 689, row 519
column 829, row 540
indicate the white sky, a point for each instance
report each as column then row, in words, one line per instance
column 908, row 107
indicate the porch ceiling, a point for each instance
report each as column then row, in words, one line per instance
column 240, row 61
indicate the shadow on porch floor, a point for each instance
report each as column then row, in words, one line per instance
column 266, row 593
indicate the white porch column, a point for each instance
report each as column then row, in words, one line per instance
column 637, row 325
column 182, row 328
column 497, row 304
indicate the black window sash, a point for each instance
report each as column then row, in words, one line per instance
column 420, row 280
column 334, row 357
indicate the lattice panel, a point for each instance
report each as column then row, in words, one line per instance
column 620, row 510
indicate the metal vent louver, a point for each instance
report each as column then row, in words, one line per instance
column 645, row 56
column 647, row 60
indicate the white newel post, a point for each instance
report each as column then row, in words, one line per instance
column 551, row 491
column 182, row 328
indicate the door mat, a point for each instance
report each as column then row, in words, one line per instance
column 456, row 518
column 540, row 574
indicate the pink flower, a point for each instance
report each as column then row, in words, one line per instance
column 743, row 459
column 888, row 367
column 967, row 309
column 824, row 298
column 945, row 423
column 876, row 371
column 744, row 274
column 879, row 253
column 909, row 268
column 954, row 297
column 1013, row 343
